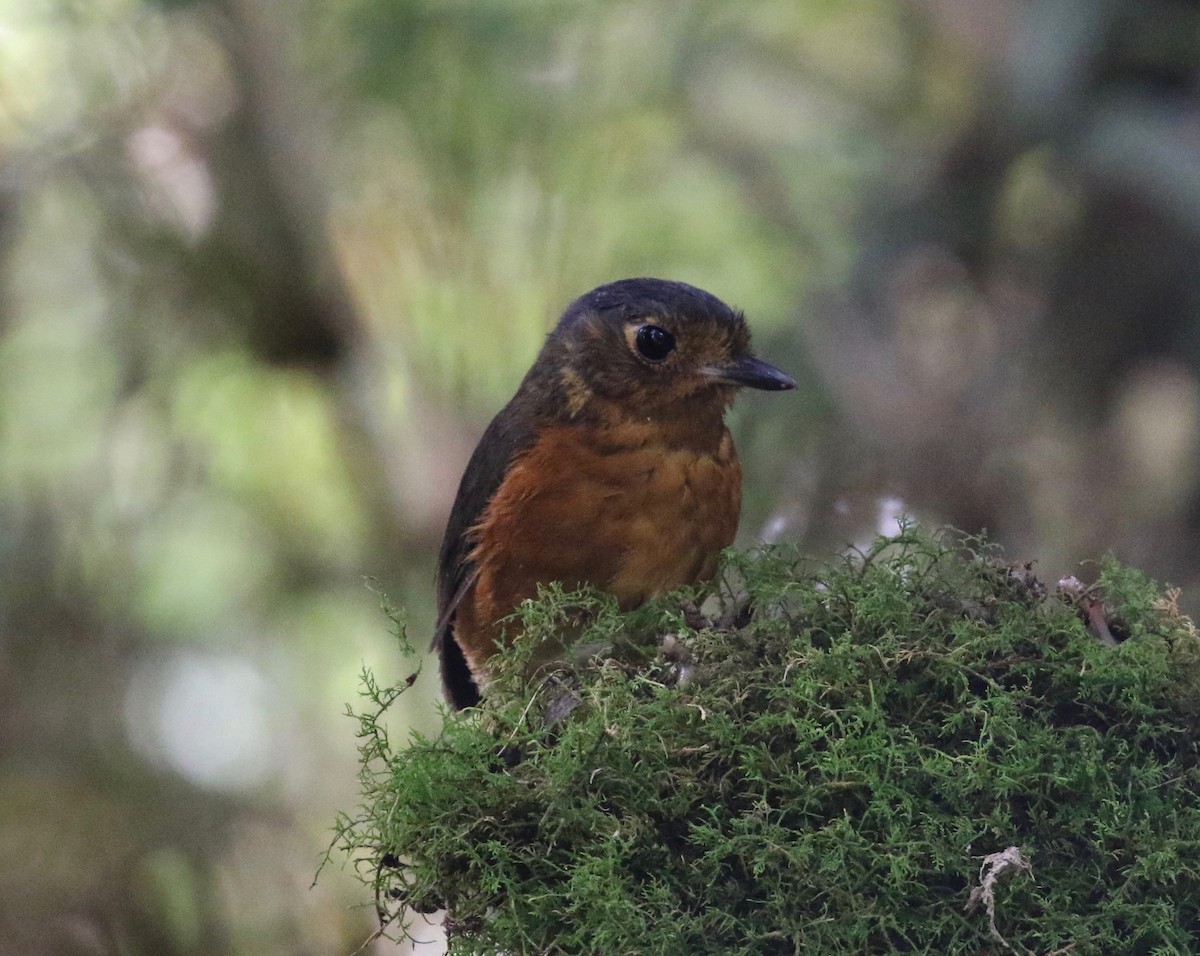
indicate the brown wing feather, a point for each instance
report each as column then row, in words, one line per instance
column 509, row 433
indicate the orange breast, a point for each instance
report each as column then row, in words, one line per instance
column 613, row 508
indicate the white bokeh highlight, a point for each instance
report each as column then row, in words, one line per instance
column 206, row 716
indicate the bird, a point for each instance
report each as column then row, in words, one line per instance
column 611, row 466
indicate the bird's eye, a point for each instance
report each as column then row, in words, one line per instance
column 654, row 343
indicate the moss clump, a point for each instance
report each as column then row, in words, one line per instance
column 821, row 776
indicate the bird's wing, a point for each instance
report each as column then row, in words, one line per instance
column 510, row 432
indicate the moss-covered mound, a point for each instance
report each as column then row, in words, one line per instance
column 821, row 767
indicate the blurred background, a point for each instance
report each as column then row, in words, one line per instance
column 267, row 270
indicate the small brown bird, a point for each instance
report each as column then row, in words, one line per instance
column 611, row 466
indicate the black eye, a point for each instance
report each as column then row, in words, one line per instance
column 654, row 343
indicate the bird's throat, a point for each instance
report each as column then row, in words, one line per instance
column 697, row 427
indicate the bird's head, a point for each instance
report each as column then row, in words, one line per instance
column 650, row 347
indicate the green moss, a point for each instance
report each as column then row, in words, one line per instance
column 823, row 777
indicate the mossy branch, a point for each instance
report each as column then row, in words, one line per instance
column 815, row 763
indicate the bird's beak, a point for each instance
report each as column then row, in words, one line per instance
column 751, row 373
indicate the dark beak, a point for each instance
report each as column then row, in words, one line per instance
column 752, row 373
